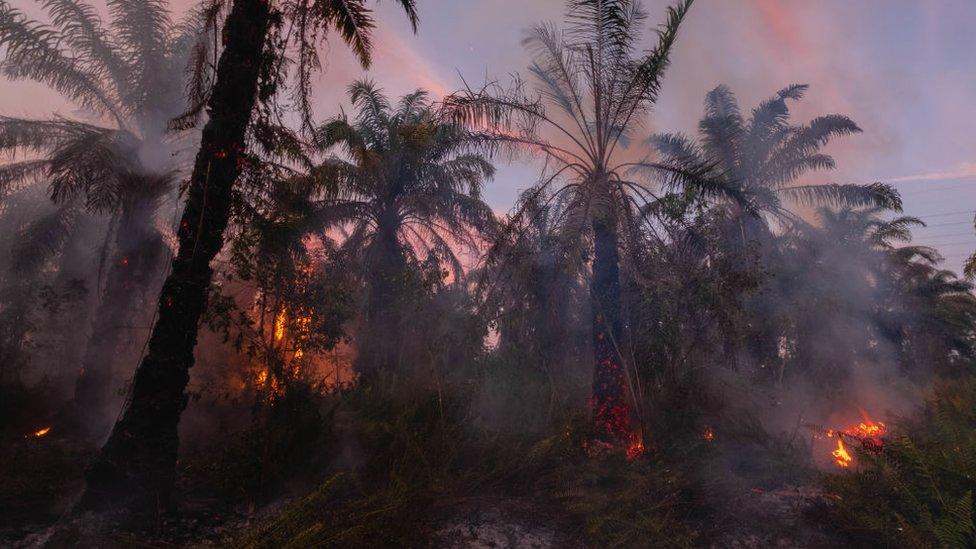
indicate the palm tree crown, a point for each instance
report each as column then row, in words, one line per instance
column 405, row 172
column 762, row 157
column 406, row 186
column 127, row 74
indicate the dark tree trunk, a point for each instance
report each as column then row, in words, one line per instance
column 611, row 411
column 137, row 255
column 380, row 349
column 137, row 465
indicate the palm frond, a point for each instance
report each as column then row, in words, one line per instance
column 644, row 80
column 33, row 52
column 875, row 195
column 354, row 22
column 17, row 175
column 82, row 30
column 143, row 28
column 42, row 239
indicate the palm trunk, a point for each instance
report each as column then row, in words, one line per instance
column 138, row 251
column 381, row 347
column 137, row 465
column 611, row 412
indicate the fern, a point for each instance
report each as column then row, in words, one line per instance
column 919, row 491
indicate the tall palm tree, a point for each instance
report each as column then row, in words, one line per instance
column 138, row 462
column 408, row 186
column 764, row 155
column 593, row 90
column 127, row 76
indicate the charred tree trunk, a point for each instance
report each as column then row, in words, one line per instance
column 381, row 347
column 137, row 465
column 611, row 412
column 138, row 249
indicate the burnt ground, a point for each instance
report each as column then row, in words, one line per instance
column 41, row 478
column 783, row 517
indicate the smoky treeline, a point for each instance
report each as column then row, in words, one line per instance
column 213, row 286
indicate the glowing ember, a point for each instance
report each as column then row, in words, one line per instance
column 279, row 325
column 841, row 457
column 868, row 431
column 708, row 434
column 40, row 432
column 635, row 449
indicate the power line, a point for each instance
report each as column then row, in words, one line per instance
column 967, row 233
column 947, row 244
column 927, row 226
column 938, row 189
column 943, row 214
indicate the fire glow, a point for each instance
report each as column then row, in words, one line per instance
column 841, row 456
column 636, row 448
column 40, row 432
column 868, row 432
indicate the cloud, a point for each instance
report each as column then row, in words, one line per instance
column 963, row 169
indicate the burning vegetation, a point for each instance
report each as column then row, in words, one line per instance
column 43, row 431
column 323, row 335
column 841, row 456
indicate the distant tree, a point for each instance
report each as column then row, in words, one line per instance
column 594, row 89
column 138, row 461
column 128, row 78
column 35, row 327
column 407, row 185
column 969, row 267
column 532, row 286
column 763, row 156
column 852, row 291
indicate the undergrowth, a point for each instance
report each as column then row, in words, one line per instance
column 403, row 457
column 918, row 491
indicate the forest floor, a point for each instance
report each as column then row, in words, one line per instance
column 41, row 478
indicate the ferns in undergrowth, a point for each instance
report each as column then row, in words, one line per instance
column 918, row 491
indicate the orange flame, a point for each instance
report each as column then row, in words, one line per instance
column 40, row 432
column 709, row 434
column 279, row 325
column 868, row 429
column 841, row 457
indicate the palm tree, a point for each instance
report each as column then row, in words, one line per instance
column 593, row 89
column 138, row 460
column 850, row 270
column 127, row 76
column 408, row 186
column 762, row 158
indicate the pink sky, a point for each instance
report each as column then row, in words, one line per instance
column 904, row 70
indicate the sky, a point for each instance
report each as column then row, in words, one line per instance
column 904, row 70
